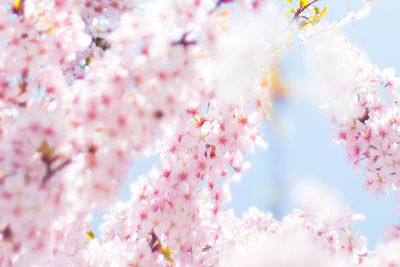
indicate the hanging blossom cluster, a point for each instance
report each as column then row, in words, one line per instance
column 176, row 214
column 364, row 105
column 88, row 86
column 177, row 206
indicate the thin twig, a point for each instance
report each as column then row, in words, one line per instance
column 50, row 172
column 300, row 10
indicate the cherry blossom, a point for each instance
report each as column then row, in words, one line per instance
column 87, row 87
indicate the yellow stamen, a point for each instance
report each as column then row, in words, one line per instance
column 90, row 235
column 167, row 254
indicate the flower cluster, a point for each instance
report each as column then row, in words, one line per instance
column 88, row 86
column 363, row 104
column 176, row 207
column 70, row 130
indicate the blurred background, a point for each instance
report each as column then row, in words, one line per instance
column 299, row 135
column 300, row 138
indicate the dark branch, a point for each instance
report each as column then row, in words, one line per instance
column 50, row 172
column 300, row 10
column 183, row 41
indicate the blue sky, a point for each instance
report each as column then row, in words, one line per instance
column 306, row 150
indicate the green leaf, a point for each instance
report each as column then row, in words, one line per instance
column 303, row 3
column 304, row 24
column 291, row 10
column 289, row 1
column 323, row 12
column 314, row 19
